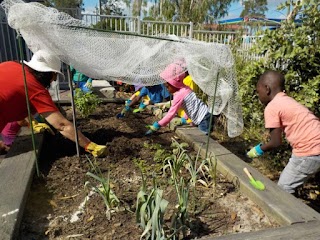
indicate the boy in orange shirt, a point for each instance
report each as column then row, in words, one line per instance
column 301, row 128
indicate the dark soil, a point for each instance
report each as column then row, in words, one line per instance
column 54, row 203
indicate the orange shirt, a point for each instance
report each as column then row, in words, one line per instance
column 301, row 127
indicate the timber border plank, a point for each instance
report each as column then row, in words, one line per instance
column 16, row 172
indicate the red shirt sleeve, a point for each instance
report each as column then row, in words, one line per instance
column 42, row 102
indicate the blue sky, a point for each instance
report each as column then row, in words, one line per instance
column 234, row 10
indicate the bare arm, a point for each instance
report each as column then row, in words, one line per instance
column 275, row 139
column 65, row 127
column 134, row 100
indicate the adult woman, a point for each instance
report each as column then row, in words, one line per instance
column 39, row 72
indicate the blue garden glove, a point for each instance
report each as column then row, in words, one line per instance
column 125, row 109
column 127, row 102
column 152, row 128
column 95, row 149
column 255, row 151
column 141, row 108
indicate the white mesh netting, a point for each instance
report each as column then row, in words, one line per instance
column 130, row 58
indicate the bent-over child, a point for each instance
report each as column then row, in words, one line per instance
column 146, row 95
column 185, row 98
column 300, row 126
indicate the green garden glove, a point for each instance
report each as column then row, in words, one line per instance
column 179, row 121
column 95, row 149
column 255, row 151
column 152, row 128
column 89, row 83
column 41, row 127
column 141, row 108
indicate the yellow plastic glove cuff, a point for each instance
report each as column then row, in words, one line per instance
column 96, row 150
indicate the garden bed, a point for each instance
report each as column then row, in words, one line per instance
column 54, row 210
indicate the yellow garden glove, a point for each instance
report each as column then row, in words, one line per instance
column 95, row 149
column 41, row 127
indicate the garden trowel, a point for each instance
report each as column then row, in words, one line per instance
column 256, row 184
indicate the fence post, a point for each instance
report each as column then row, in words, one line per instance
column 139, row 25
column 191, row 30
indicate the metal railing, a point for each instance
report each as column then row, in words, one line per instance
column 156, row 28
column 9, row 48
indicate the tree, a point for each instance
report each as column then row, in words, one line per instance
column 112, row 7
column 196, row 11
column 293, row 49
column 254, row 8
column 71, row 7
column 137, row 6
column 296, row 7
column 64, row 3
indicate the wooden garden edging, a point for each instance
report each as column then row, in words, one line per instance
column 299, row 231
column 16, row 174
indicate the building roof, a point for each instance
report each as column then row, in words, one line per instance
column 248, row 20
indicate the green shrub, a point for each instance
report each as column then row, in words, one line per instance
column 85, row 103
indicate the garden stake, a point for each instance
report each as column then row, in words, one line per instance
column 73, row 111
column 256, row 184
column 21, row 55
column 211, row 117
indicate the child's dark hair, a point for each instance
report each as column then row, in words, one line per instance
column 276, row 76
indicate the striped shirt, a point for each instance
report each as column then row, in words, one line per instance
column 194, row 108
column 186, row 99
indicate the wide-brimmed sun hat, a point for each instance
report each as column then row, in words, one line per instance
column 43, row 61
column 174, row 74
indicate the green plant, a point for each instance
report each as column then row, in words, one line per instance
column 209, row 171
column 181, row 217
column 194, row 169
column 177, row 160
column 85, row 103
column 150, row 209
column 111, row 201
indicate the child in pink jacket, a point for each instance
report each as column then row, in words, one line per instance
column 183, row 97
